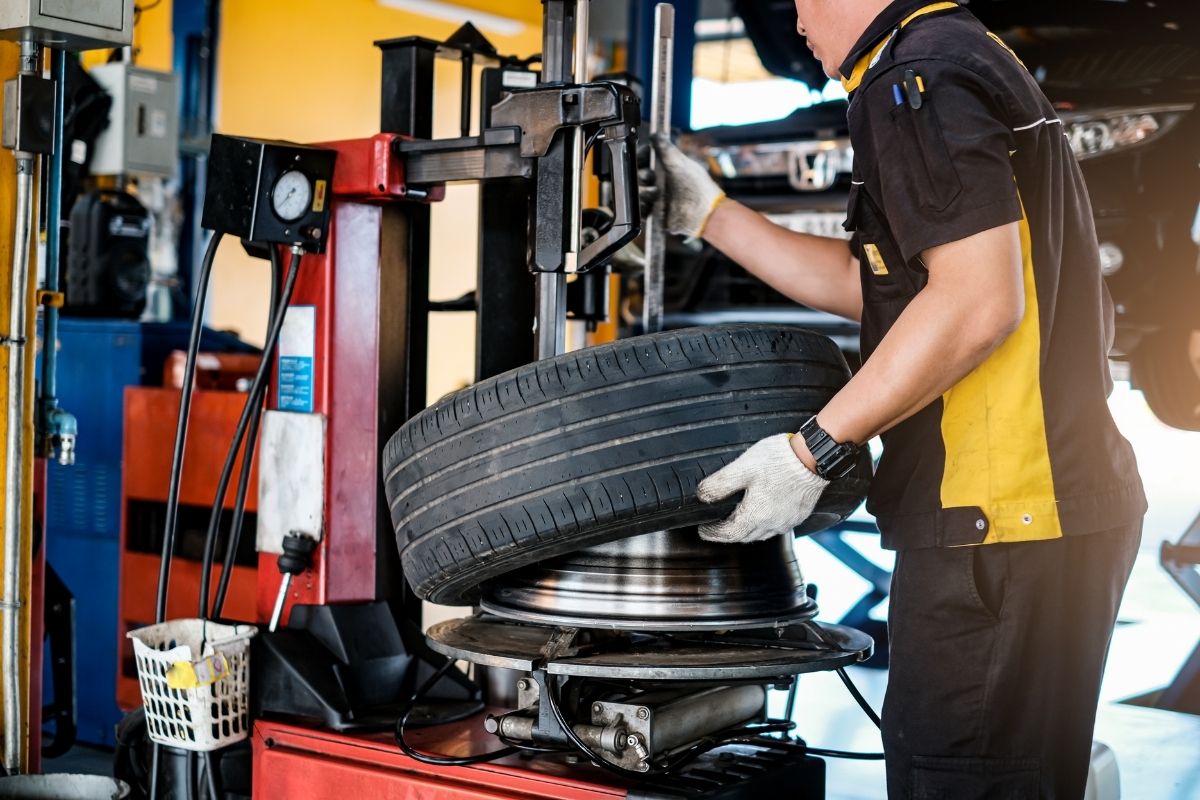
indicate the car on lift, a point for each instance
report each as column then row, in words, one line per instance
column 1125, row 78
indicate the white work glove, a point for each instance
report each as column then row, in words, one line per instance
column 691, row 194
column 780, row 493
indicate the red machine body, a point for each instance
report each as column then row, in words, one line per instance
column 299, row 762
column 346, row 286
column 356, row 349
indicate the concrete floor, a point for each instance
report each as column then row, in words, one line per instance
column 82, row 760
column 1158, row 752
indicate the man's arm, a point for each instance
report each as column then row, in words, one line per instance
column 974, row 301
column 817, row 271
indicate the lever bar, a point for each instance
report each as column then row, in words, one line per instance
column 660, row 122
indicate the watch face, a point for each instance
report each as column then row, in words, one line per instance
column 292, row 195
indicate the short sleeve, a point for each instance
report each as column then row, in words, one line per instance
column 855, row 245
column 944, row 170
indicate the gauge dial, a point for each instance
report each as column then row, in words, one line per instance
column 292, row 195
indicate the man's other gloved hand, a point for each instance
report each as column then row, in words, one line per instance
column 691, row 194
column 780, row 493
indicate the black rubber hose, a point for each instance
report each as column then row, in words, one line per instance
column 858, row 698
column 210, row 538
column 850, row 687
column 439, row 760
column 185, row 410
column 239, row 501
column 826, row 753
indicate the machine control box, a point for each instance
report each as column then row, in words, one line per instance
column 142, row 137
column 267, row 191
column 28, row 127
column 70, row 24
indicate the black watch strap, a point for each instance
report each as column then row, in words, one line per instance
column 834, row 459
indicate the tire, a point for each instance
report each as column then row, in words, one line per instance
column 1166, row 367
column 589, row 447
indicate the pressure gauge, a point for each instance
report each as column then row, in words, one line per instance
column 269, row 192
column 292, row 195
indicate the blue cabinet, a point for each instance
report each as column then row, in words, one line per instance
column 97, row 359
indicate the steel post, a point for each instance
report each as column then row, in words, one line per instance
column 561, row 47
column 504, row 289
column 550, row 328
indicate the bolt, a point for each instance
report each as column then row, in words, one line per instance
column 491, row 723
column 523, row 685
column 597, row 709
column 639, row 747
column 571, row 758
column 643, row 713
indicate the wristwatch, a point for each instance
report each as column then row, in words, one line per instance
column 834, row 459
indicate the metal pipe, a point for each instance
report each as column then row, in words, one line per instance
column 660, row 122
column 58, row 70
column 689, row 718
column 281, row 597
column 578, row 144
column 562, row 18
column 11, row 668
column 55, row 428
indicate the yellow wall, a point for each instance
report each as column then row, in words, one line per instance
column 153, row 41
column 307, row 71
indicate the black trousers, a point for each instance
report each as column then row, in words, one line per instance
column 997, row 653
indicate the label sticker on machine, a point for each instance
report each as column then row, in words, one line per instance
column 158, row 123
column 297, row 352
column 512, row 79
column 319, row 197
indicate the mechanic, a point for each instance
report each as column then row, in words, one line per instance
column 1013, row 501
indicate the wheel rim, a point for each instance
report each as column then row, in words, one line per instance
column 664, row 581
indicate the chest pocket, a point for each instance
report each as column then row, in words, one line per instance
column 885, row 275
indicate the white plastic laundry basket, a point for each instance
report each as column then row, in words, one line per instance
column 202, row 719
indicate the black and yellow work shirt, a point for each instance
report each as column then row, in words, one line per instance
column 953, row 137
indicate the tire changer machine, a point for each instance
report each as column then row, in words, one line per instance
column 347, row 697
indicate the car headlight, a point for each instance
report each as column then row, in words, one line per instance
column 1098, row 133
column 748, row 161
column 810, row 166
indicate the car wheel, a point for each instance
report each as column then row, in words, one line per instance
column 598, row 445
column 1166, row 367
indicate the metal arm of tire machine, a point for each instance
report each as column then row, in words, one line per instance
column 367, row 379
column 542, row 135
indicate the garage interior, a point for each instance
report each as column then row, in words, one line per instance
column 357, row 401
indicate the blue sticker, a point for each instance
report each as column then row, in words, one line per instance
column 297, row 359
column 296, row 384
